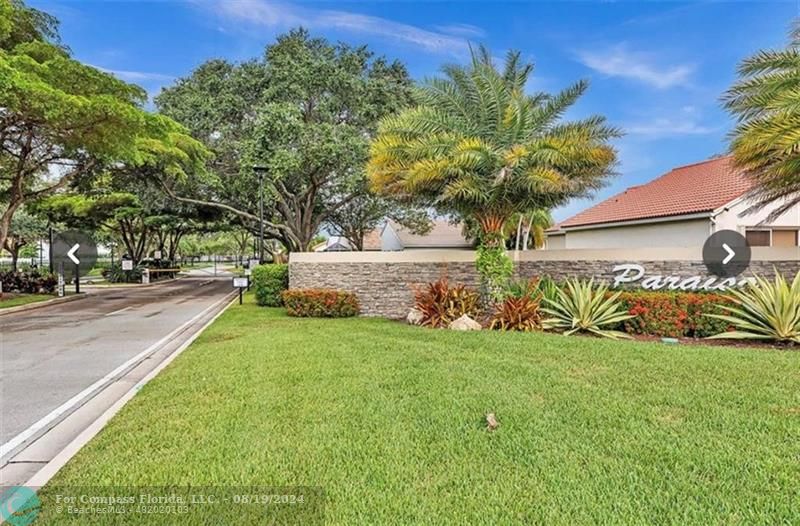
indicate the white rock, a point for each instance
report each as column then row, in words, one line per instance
column 414, row 317
column 465, row 323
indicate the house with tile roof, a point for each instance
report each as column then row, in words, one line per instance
column 679, row 209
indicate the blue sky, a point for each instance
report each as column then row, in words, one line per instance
column 657, row 69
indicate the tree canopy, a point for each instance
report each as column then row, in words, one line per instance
column 476, row 145
column 62, row 121
column 305, row 112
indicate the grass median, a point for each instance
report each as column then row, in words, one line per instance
column 389, row 420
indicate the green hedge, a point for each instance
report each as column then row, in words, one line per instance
column 269, row 281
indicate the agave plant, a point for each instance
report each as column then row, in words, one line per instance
column 764, row 311
column 580, row 306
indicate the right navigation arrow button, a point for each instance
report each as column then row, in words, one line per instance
column 726, row 253
column 730, row 255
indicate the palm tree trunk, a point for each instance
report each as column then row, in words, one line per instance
column 528, row 232
column 491, row 224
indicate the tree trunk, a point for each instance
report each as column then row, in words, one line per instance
column 5, row 220
column 14, row 259
column 494, row 266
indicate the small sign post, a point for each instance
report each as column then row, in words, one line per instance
column 241, row 284
column 127, row 265
column 61, row 284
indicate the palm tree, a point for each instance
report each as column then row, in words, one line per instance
column 480, row 147
column 766, row 140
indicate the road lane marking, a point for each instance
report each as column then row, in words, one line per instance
column 45, row 422
column 43, row 476
column 120, row 310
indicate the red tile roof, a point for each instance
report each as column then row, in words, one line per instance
column 690, row 189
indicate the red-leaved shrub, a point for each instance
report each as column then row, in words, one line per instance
column 518, row 314
column 441, row 303
column 320, row 303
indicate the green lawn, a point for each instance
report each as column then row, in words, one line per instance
column 23, row 299
column 389, row 420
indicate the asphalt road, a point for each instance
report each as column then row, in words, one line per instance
column 51, row 354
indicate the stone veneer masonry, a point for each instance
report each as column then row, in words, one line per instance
column 386, row 288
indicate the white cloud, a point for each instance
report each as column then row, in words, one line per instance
column 136, row 76
column 619, row 61
column 462, row 30
column 666, row 126
column 284, row 15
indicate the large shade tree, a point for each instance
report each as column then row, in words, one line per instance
column 305, row 112
column 62, row 121
column 479, row 146
column 766, row 140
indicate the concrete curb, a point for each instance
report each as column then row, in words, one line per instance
column 40, row 304
column 48, row 471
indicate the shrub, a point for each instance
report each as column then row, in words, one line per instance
column 440, row 304
column 320, row 303
column 672, row 314
column 656, row 313
column 29, row 282
column 764, row 310
column 699, row 306
column 269, row 282
column 517, row 314
column 115, row 274
column 580, row 306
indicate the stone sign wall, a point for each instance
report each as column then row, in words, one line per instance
column 385, row 281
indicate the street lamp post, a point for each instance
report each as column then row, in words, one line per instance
column 260, row 170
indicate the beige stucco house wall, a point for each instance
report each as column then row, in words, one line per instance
column 684, row 233
column 681, row 231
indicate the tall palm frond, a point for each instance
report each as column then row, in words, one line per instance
column 766, row 140
column 480, row 146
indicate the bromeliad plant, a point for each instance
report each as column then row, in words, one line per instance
column 764, row 311
column 521, row 313
column 480, row 146
column 580, row 306
column 439, row 303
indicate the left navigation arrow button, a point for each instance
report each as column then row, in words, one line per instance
column 71, row 253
